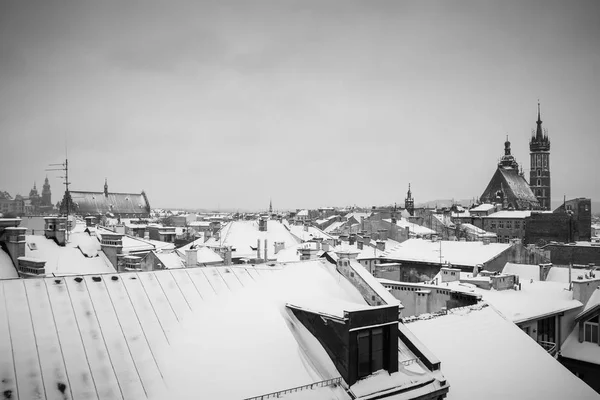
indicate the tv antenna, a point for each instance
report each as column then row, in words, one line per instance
column 64, row 167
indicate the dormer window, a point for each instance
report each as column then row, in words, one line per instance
column 370, row 351
column 590, row 330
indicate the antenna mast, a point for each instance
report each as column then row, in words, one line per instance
column 65, row 168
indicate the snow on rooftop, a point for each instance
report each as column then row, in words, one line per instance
column 523, row 271
column 412, row 227
column 242, row 236
column 170, row 260
column 456, row 253
column 334, row 226
column 7, row 269
column 536, row 299
column 510, row 214
column 482, row 208
column 81, row 254
column 561, row 274
column 309, row 233
column 152, row 334
column 584, row 351
column 484, row 356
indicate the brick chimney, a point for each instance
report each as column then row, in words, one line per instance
column 191, row 257
column 381, row 245
column 583, row 289
column 266, row 252
column 131, row 264
column 30, row 267
column 383, row 234
column 15, row 243
column 262, row 224
column 112, row 246
column 56, row 228
column 544, row 270
column 258, row 252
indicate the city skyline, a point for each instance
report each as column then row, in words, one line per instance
column 227, row 105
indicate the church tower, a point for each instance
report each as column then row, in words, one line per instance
column 105, row 188
column 539, row 178
column 409, row 202
column 46, row 194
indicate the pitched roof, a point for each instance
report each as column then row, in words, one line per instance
column 462, row 337
column 96, row 203
column 515, row 187
column 148, row 334
column 456, row 253
column 242, row 236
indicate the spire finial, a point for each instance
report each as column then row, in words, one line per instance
column 539, row 111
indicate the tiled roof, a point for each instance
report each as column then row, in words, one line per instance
column 96, row 203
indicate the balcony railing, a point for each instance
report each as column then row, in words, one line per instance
column 550, row 347
column 274, row 395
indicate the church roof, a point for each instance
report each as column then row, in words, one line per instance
column 514, row 187
column 97, row 203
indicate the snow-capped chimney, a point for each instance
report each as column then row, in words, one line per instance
column 266, row 252
column 191, row 257
column 258, row 253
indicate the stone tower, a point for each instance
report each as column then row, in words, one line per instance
column 46, row 194
column 409, row 202
column 539, row 178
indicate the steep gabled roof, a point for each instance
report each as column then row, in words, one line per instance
column 514, row 186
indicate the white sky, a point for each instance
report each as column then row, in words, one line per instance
column 311, row 103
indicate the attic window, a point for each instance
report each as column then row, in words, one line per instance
column 590, row 330
column 370, row 351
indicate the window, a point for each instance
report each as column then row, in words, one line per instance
column 539, row 182
column 546, row 330
column 545, row 161
column 371, row 345
column 501, row 224
column 539, row 172
column 517, row 224
column 493, row 225
column 508, row 224
column 590, row 330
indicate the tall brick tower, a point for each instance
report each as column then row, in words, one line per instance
column 539, row 176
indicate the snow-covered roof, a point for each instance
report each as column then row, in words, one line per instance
column 242, row 236
column 204, row 255
column 302, row 213
column 7, row 269
column 517, row 214
column 412, row 227
column 561, row 274
column 483, row 208
column 535, row 299
column 81, row 254
column 485, row 356
column 170, row 260
column 456, row 253
column 334, row 226
column 584, row 351
column 523, row 271
column 149, row 334
column 477, row 230
column 307, row 233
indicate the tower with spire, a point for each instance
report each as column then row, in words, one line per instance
column 409, row 202
column 105, row 187
column 46, row 194
column 270, row 206
column 539, row 178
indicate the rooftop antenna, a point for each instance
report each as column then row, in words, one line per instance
column 65, row 168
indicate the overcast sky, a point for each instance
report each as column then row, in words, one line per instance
column 310, row 103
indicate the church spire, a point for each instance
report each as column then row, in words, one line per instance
column 270, row 206
column 105, row 187
column 539, row 135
